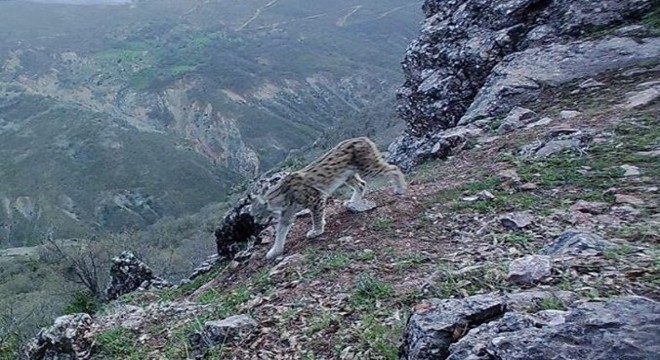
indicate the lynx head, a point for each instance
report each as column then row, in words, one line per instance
column 259, row 208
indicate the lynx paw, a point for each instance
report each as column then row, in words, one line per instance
column 314, row 233
column 273, row 253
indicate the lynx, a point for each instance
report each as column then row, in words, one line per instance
column 309, row 188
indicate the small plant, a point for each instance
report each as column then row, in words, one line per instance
column 382, row 223
column 321, row 322
column 118, row 343
column 83, row 302
column 379, row 338
column 368, row 290
column 551, row 303
column 336, row 260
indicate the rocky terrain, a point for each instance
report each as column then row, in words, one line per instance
column 529, row 230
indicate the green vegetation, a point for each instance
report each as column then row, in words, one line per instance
column 83, row 302
column 369, row 290
column 118, row 343
column 653, row 18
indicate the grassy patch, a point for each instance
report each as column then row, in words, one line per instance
column 171, row 294
column 379, row 338
column 370, row 290
column 653, row 18
column 480, row 280
column 382, row 224
column 551, row 303
column 118, row 343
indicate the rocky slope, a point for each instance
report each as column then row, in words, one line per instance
column 543, row 232
column 475, row 60
column 535, row 238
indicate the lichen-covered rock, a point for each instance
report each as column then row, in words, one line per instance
column 529, row 269
column 517, row 118
column 475, row 60
column 408, row 151
column 129, row 274
column 238, row 226
column 221, row 332
column 623, row 328
column 520, row 76
column 435, row 324
column 66, row 339
column 484, row 327
column 461, row 41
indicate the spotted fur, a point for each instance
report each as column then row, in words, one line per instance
column 345, row 164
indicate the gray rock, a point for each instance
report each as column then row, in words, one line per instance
column 66, row 339
column 542, row 122
column 517, row 220
column 556, row 146
column 622, row 328
column 517, row 118
column 209, row 264
column 435, row 324
column 464, row 45
column 569, row 114
column 641, row 98
column 128, row 274
column 633, row 31
column 227, row 331
column 529, row 269
column 408, row 151
column 238, row 226
column 590, row 84
column 485, row 327
column 630, row 170
column 574, row 242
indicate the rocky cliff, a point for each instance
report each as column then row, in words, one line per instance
column 475, row 60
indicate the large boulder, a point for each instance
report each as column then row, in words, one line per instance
column 238, row 226
column 497, row 327
column 623, row 328
column 477, row 59
column 222, row 332
column 129, row 274
column 67, row 339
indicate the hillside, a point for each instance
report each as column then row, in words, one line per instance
column 349, row 294
column 528, row 231
column 113, row 117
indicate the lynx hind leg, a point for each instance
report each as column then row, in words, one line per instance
column 359, row 187
column 397, row 178
column 318, row 218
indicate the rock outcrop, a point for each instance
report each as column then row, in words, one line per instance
column 486, row 327
column 238, row 226
column 220, row 332
column 67, row 338
column 475, row 60
column 129, row 274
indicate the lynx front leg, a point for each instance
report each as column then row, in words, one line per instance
column 318, row 219
column 283, row 226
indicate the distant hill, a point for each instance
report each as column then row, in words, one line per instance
column 112, row 117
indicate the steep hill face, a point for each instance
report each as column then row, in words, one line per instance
column 475, row 60
column 115, row 116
